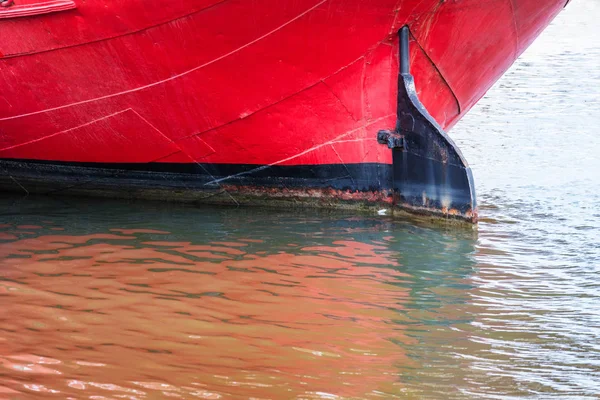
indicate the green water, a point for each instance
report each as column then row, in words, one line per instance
column 109, row 300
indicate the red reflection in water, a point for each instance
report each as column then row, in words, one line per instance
column 112, row 316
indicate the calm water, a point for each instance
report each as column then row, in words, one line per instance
column 109, row 300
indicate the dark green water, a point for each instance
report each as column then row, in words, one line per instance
column 110, row 300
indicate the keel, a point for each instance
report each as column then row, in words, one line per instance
column 430, row 174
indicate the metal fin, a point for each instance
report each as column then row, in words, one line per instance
column 431, row 176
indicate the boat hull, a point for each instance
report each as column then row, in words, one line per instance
column 232, row 100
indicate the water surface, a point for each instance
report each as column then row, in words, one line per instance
column 112, row 300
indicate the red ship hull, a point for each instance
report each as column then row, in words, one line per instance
column 235, row 100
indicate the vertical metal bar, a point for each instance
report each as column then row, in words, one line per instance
column 404, row 51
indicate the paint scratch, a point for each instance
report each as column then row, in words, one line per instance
column 19, row 184
column 160, row 82
column 339, row 100
column 263, row 167
column 188, row 155
column 343, row 163
column 66, row 130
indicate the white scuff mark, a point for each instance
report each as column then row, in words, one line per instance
column 188, row 155
column 19, row 184
column 330, row 142
column 343, row 163
column 68, row 130
column 16, row 181
column 352, row 140
column 184, row 73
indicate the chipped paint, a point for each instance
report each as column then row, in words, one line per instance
column 303, row 87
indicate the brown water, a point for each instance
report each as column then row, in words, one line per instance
column 110, row 300
column 219, row 303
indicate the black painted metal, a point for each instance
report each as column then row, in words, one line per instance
column 60, row 175
column 430, row 173
column 404, row 51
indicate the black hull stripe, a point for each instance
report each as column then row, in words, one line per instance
column 350, row 177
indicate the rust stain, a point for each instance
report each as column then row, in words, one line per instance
column 313, row 196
